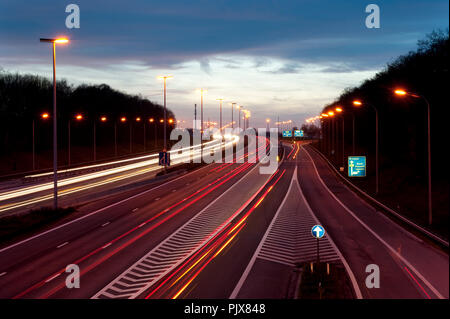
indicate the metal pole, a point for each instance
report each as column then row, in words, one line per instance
column 145, row 137
column 68, row 142
column 201, row 124
column 376, row 154
column 165, row 119
column 195, row 116
column 353, row 135
column 95, row 144
column 34, row 159
column 115, row 139
column 221, row 133
column 430, row 202
column 240, row 117
column 343, row 141
column 55, row 140
column 131, row 148
column 156, row 134
column 232, row 121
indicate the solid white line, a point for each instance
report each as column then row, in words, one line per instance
column 95, row 212
column 107, row 245
column 62, row 245
column 241, row 281
column 406, row 220
column 177, row 231
column 50, row 279
column 344, row 261
column 392, row 250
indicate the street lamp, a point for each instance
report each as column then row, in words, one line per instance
column 165, row 77
column 239, row 107
column 403, row 93
column 44, row 116
column 267, row 123
column 358, row 103
column 152, row 120
column 339, row 110
column 77, row 117
column 232, row 111
column 220, row 121
column 55, row 140
column 202, row 91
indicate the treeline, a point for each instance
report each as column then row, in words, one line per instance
column 402, row 125
column 24, row 98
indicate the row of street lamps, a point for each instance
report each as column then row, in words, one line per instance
column 103, row 119
column 55, row 41
column 337, row 110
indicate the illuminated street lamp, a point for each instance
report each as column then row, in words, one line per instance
column 44, row 116
column 403, row 93
column 152, row 120
column 78, row 117
column 268, row 123
column 55, row 140
column 358, row 103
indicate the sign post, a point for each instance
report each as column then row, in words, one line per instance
column 318, row 232
column 164, row 159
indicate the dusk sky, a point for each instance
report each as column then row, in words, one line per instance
column 276, row 58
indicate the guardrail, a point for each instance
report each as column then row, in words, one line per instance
column 418, row 228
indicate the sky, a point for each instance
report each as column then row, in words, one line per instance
column 283, row 59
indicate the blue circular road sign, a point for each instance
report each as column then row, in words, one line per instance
column 318, row 231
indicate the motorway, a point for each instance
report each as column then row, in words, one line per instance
column 36, row 190
column 224, row 231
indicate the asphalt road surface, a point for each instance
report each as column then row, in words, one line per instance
column 223, row 231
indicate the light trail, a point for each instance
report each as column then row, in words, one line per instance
column 87, row 177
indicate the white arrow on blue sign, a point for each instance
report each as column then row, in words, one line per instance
column 318, row 231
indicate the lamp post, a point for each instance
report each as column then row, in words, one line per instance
column 152, row 120
column 165, row 77
column 220, row 117
column 202, row 91
column 44, row 116
column 400, row 92
column 55, row 140
column 377, row 180
column 267, row 123
column 339, row 110
column 239, row 107
column 232, row 111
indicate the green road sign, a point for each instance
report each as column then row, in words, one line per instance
column 356, row 166
column 298, row 133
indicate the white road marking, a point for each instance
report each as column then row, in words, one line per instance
column 107, row 245
column 157, row 198
column 51, row 278
column 105, row 224
column 392, row 250
column 135, row 210
column 3, row 273
column 95, row 212
column 62, row 245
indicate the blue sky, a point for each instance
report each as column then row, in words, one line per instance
column 277, row 58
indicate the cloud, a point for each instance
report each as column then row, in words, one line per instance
column 205, row 66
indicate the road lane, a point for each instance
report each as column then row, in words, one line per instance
column 366, row 237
